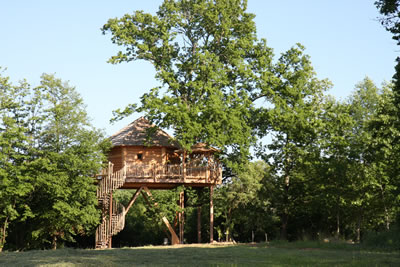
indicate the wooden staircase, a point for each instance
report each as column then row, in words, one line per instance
column 113, row 214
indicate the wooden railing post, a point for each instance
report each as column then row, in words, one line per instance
column 207, row 170
column 154, row 172
column 184, row 165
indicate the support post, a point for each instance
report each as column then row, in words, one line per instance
column 199, row 224
column 110, row 218
column 211, row 214
column 181, row 216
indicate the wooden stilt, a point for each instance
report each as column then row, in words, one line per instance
column 110, row 218
column 181, row 215
column 199, row 224
column 211, row 214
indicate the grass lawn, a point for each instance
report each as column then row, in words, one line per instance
column 275, row 254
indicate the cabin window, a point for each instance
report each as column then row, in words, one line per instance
column 140, row 156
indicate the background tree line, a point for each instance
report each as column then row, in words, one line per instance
column 298, row 164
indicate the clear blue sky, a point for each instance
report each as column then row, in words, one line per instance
column 343, row 38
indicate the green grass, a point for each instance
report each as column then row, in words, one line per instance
column 274, row 254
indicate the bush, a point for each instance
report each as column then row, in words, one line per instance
column 382, row 240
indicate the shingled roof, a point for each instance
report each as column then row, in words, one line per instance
column 142, row 133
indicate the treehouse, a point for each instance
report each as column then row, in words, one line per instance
column 144, row 157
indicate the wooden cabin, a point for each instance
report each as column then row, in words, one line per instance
column 150, row 156
column 145, row 157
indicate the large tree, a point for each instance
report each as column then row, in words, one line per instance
column 49, row 153
column 69, row 153
column 389, row 113
column 292, row 118
column 211, row 66
column 15, row 146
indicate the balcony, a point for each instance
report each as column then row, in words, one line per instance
column 163, row 176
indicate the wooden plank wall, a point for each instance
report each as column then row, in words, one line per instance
column 115, row 156
column 150, row 155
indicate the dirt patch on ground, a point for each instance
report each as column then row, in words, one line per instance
column 208, row 245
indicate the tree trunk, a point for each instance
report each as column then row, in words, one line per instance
column 54, row 242
column 199, row 224
column 3, row 234
column 337, row 225
column 285, row 215
column 358, row 230
column 284, row 225
column 387, row 217
column 228, row 225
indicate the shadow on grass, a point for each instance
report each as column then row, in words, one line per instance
column 238, row 255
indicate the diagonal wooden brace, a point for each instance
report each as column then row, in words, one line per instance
column 132, row 201
column 174, row 237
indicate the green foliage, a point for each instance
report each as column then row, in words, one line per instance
column 15, row 144
column 142, row 223
column 211, row 68
column 49, row 154
column 240, row 199
column 293, row 122
column 385, row 149
column 390, row 20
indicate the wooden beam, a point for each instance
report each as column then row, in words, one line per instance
column 132, row 201
column 110, row 218
column 174, row 237
column 211, row 215
column 181, row 215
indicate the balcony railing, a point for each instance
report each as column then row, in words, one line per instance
column 208, row 172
